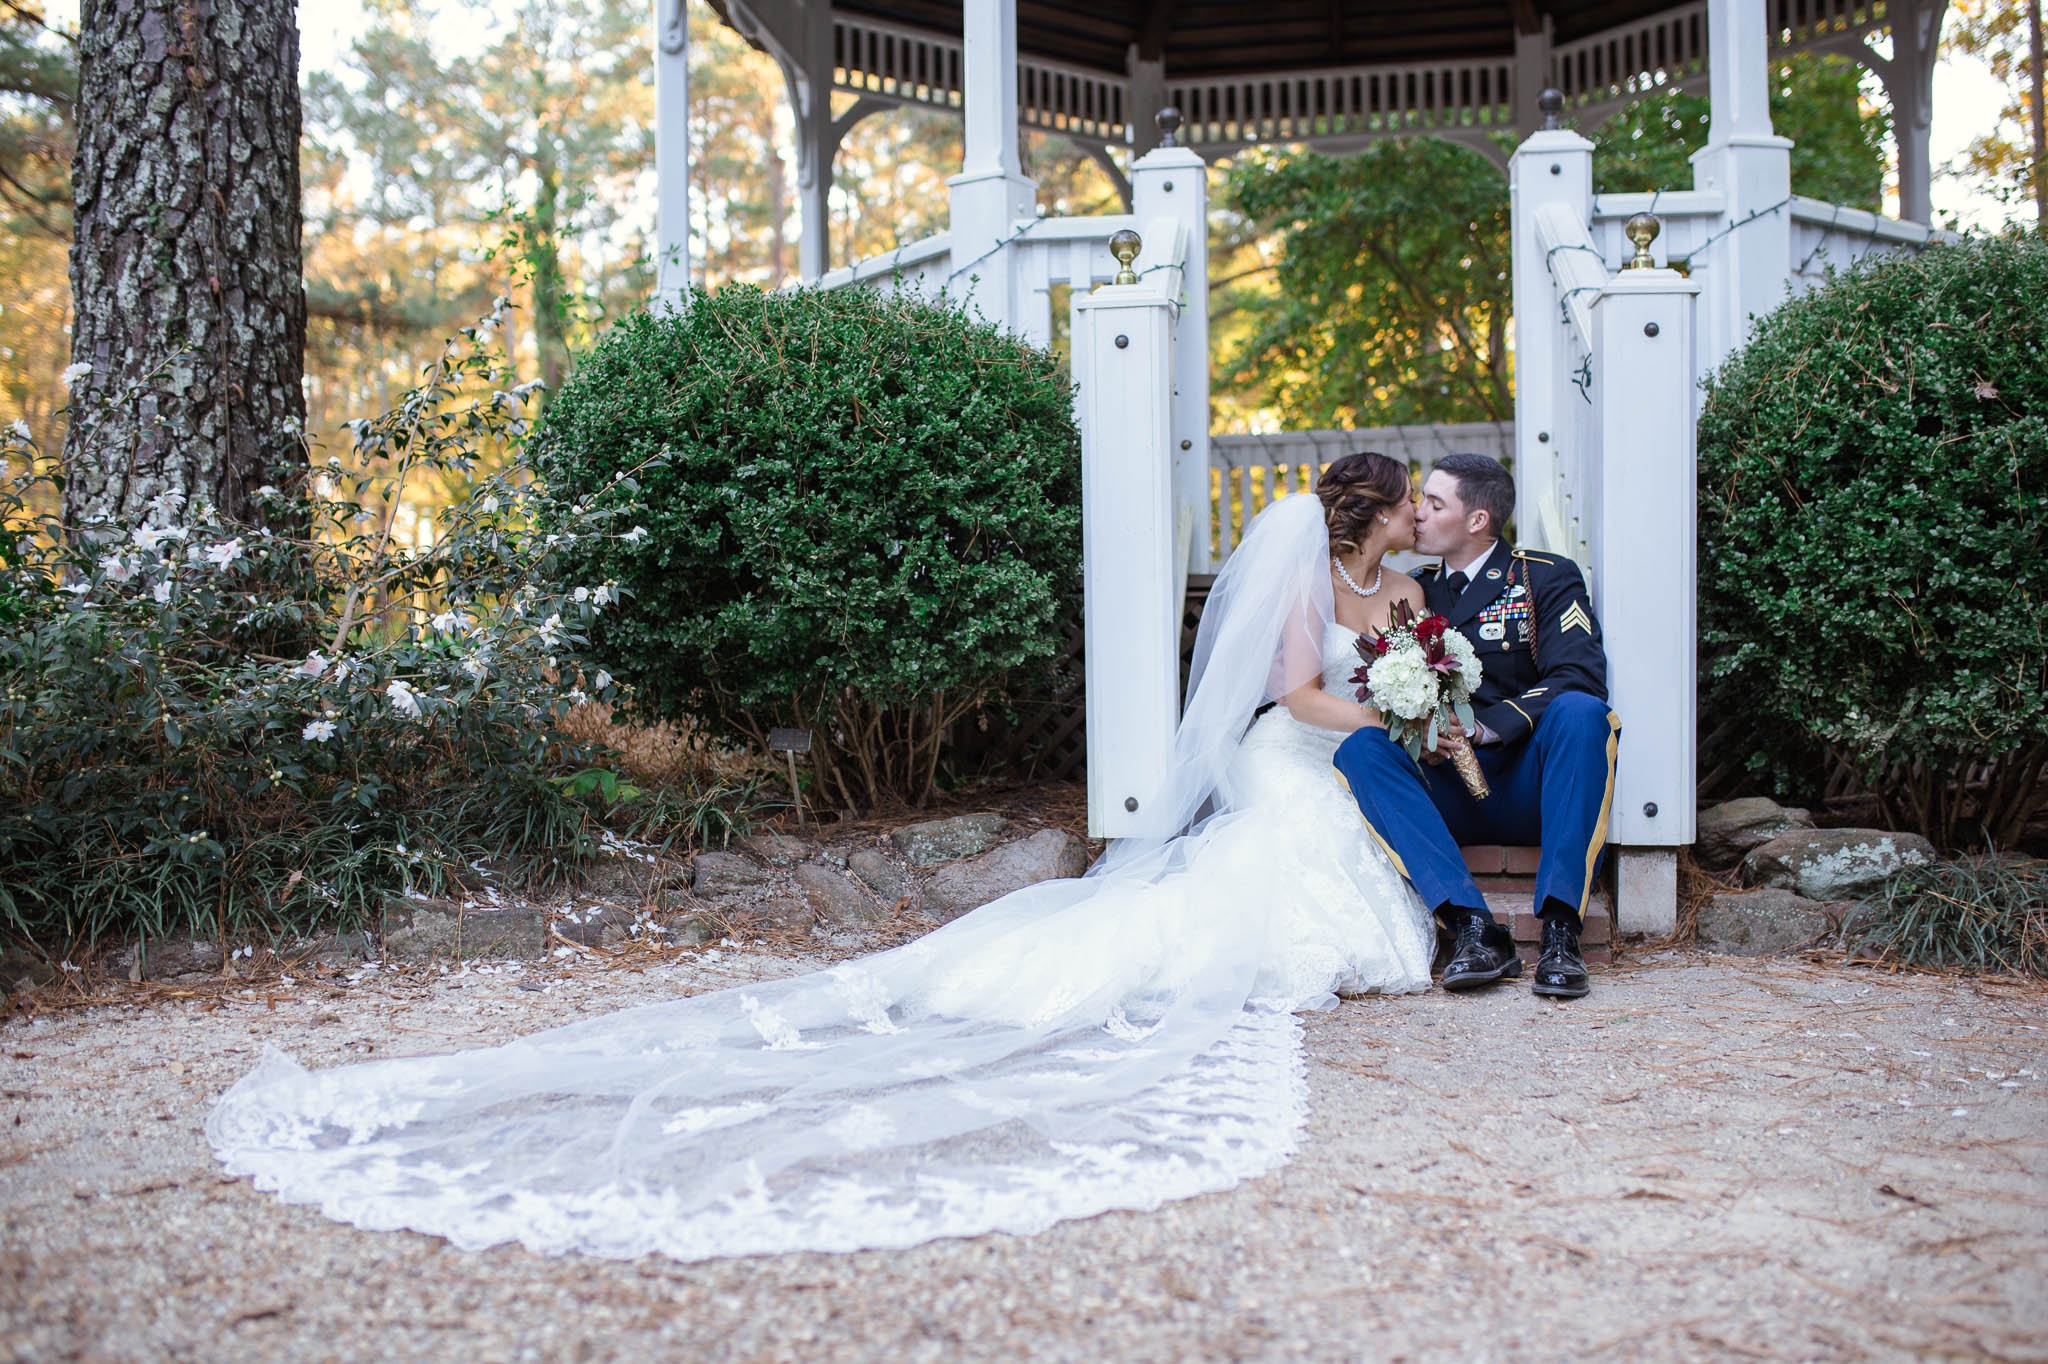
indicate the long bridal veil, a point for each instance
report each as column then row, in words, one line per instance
column 1110, row 1042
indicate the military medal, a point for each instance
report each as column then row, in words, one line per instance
column 1492, row 629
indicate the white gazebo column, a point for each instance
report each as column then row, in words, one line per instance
column 810, row 88
column 990, row 195
column 1908, row 77
column 1744, row 271
column 1144, row 96
column 1171, row 182
column 1644, row 573
column 1532, row 68
column 671, row 151
column 1552, row 166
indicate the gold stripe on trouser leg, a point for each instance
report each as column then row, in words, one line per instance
column 1385, row 846
column 1599, row 839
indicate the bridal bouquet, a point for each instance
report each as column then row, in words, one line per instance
column 1419, row 673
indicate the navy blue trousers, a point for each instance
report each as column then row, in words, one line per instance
column 1553, row 789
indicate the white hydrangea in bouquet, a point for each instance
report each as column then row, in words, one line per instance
column 1419, row 674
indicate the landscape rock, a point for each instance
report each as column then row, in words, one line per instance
column 1730, row 829
column 1758, row 923
column 423, row 930
column 595, row 925
column 779, row 850
column 621, row 879
column 1834, row 864
column 21, row 969
column 834, row 898
column 1044, row 856
column 335, row 949
column 938, row 841
column 166, row 959
column 875, row 871
column 716, row 874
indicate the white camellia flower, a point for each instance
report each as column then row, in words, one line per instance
column 1401, row 682
column 116, row 568
column 73, row 373
column 576, row 696
column 315, row 664
column 604, row 596
column 635, row 535
column 602, row 680
column 1470, row 669
column 78, row 589
column 448, row 622
column 489, row 505
column 224, row 553
column 19, row 430
column 317, row 731
column 551, row 631
column 581, row 594
column 403, row 698
column 477, row 666
column 162, row 592
column 341, row 672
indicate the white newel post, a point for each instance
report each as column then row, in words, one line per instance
column 990, row 195
column 1122, row 364
column 672, row 150
column 1172, row 183
column 1553, row 166
column 1644, row 576
column 1746, row 269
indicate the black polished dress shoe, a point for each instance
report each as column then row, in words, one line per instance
column 1561, row 971
column 1484, row 953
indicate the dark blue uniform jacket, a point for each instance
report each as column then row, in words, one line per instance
column 1529, row 617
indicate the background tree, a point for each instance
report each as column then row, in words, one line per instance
column 2013, row 156
column 1838, row 138
column 38, row 81
column 1390, row 278
column 191, row 318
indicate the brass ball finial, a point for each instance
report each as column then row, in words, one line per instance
column 1125, row 246
column 1551, row 105
column 1168, row 120
column 1642, row 229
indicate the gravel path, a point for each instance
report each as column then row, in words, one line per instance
column 1707, row 1159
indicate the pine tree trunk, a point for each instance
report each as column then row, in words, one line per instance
column 185, row 264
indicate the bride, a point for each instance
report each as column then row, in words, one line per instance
column 1116, row 1041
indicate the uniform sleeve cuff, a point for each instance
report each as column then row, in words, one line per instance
column 1507, row 723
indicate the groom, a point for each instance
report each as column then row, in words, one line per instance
column 1546, row 739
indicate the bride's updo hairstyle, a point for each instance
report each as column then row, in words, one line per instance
column 1355, row 491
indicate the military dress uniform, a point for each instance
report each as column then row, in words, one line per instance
column 1551, row 766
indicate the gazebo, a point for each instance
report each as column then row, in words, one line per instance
column 1324, row 73
column 1610, row 342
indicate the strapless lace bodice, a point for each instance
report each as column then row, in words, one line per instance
column 1340, row 660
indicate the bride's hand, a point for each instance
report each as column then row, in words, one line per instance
column 1448, row 741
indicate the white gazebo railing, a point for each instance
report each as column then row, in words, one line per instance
column 1247, row 472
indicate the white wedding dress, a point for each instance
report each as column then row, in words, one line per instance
column 1116, row 1041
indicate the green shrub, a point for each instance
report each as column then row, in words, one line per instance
column 233, row 729
column 1873, row 538
column 859, row 511
column 1979, row 913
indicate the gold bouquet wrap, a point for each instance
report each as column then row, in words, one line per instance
column 1467, row 763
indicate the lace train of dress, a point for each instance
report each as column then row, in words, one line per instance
column 1117, row 1041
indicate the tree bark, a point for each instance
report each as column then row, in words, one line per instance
column 185, row 264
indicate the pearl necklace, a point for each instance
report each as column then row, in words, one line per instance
column 1377, row 578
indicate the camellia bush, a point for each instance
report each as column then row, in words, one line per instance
column 234, row 729
column 1873, row 538
column 853, row 513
